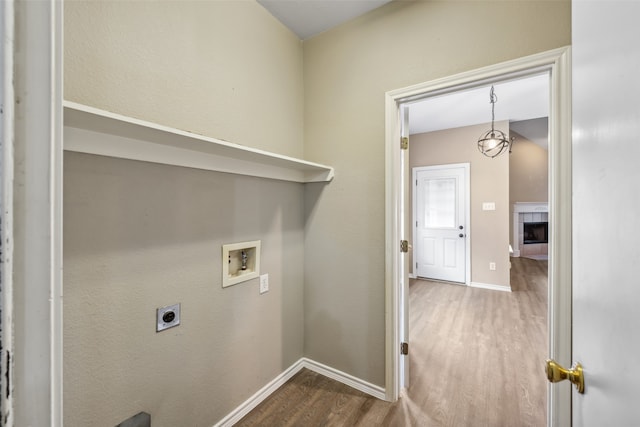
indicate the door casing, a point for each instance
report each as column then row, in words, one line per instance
column 557, row 63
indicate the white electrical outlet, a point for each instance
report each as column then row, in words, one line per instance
column 264, row 283
column 492, row 266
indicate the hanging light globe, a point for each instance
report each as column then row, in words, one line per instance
column 493, row 142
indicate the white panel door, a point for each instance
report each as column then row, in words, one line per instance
column 440, row 222
column 606, row 206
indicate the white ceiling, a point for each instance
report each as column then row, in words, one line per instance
column 519, row 101
column 524, row 102
column 306, row 18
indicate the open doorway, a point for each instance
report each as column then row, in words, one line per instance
column 492, row 342
column 556, row 62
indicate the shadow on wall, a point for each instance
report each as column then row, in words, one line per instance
column 125, row 204
column 312, row 194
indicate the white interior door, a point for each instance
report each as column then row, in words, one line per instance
column 606, row 290
column 440, row 198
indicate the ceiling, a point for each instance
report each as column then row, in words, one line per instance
column 306, row 18
column 523, row 102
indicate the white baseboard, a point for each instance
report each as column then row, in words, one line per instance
column 491, row 286
column 516, row 253
column 344, row 378
column 412, row 276
column 246, row 407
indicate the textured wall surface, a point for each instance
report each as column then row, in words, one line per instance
column 489, row 183
column 528, row 174
column 226, row 69
column 138, row 236
column 346, row 74
column 528, row 171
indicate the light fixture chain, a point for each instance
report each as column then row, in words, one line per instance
column 493, row 98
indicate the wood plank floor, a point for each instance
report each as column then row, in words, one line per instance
column 477, row 359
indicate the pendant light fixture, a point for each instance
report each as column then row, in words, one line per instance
column 493, row 142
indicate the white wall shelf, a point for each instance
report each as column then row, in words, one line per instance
column 93, row 131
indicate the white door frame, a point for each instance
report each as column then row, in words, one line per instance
column 558, row 63
column 35, row 285
column 467, row 212
column 7, row 98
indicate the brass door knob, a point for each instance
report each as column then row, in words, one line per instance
column 556, row 373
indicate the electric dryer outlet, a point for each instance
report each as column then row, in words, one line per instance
column 167, row 317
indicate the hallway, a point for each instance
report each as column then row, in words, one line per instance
column 477, row 360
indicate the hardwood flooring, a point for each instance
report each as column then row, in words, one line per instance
column 477, row 359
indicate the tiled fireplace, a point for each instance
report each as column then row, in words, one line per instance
column 530, row 229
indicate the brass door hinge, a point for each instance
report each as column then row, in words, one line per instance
column 404, row 143
column 404, row 246
column 404, row 348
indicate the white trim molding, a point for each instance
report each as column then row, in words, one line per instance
column 344, row 378
column 262, row 394
column 37, row 215
column 557, row 63
column 530, row 207
column 329, row 372
column 490, row 286
column 7, row 130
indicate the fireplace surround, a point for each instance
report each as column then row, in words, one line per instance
column 534, row 243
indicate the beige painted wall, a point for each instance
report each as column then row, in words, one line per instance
column 138, row 236
column 229, row 70
column 346, row 74
column 489, row 183
column 528, row 171
column 226, row 69
column 528, row 174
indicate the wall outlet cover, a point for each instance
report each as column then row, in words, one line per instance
column 264, row 283
column 167, row 317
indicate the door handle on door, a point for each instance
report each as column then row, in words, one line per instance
column 460, row 235
column 556, row 373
